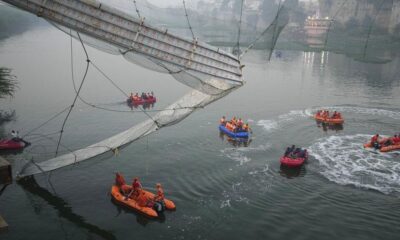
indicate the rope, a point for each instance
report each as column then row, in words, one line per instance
column 370, row 29
column 108, row 78
column 113, row 83
column 264, row 32
column 137, row 10
column 240, row 24
column 41, row 125
column 330, row 23
column 76, row 96
column 187, row 19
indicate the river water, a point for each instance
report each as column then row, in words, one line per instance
column 222, row 189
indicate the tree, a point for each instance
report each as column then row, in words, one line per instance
column 8, row 84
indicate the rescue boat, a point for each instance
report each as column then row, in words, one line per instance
column 11, row 144
column 136, row 204
column 228, row 132
column 329, row 120
column 293, row 162
column 389, row 148
column 141, row 101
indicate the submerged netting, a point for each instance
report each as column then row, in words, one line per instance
column 174, row 113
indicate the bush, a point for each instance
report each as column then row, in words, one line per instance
column 8, row 84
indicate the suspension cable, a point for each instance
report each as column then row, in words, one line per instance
column 264, row 32
column 330, row 22
column 370, row 28
column 187, row 18
column 41, row 125
column 137, row 10
column 108, row 78
column 240, row 24
column 76, row 96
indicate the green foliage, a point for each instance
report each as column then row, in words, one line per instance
column 6, row 116
column 8, row 84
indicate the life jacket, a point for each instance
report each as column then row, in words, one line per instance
column 160, row 195
column 119, row 180
column 136, row 185
column 142, row 199
column 374, row 139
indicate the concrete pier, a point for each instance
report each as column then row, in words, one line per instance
column 5, row 172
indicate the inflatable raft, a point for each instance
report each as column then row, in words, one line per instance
column 293, row 162
column 384, row 148
column 223, row 129
column 11, row 144
column 141, row 101
column 329, row 120
column 136, row 204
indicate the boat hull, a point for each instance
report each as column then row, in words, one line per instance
column 233, row 134
column 292, row 162
column 135, row 205
column 142, row 101
column 384, row 148
column 329, row 120
column 11, row 144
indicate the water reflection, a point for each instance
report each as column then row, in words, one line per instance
column 235, row 142
column 333, row 127
column 145, row 106
column 290, row 173
column 64, row 210
column 8, row 152
column 140, row 218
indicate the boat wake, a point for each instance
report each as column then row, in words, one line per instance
column 239, row 154
column 343, row 160
column 282, row 120
column 359, row 110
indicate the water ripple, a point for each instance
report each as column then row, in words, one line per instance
column 343, row 160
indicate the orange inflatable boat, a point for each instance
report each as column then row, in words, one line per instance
column 384, row 148
column 329, row 120
column 140, row 202
column 369, row 145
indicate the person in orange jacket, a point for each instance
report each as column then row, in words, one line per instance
column 234, row 121
column 119, row 180
column 160, row 193
column 158, row 201
column 246, row 127
column 136, row 188
column 375, row 141
column 240, row 123
column 396, row 139
column 222, row 121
